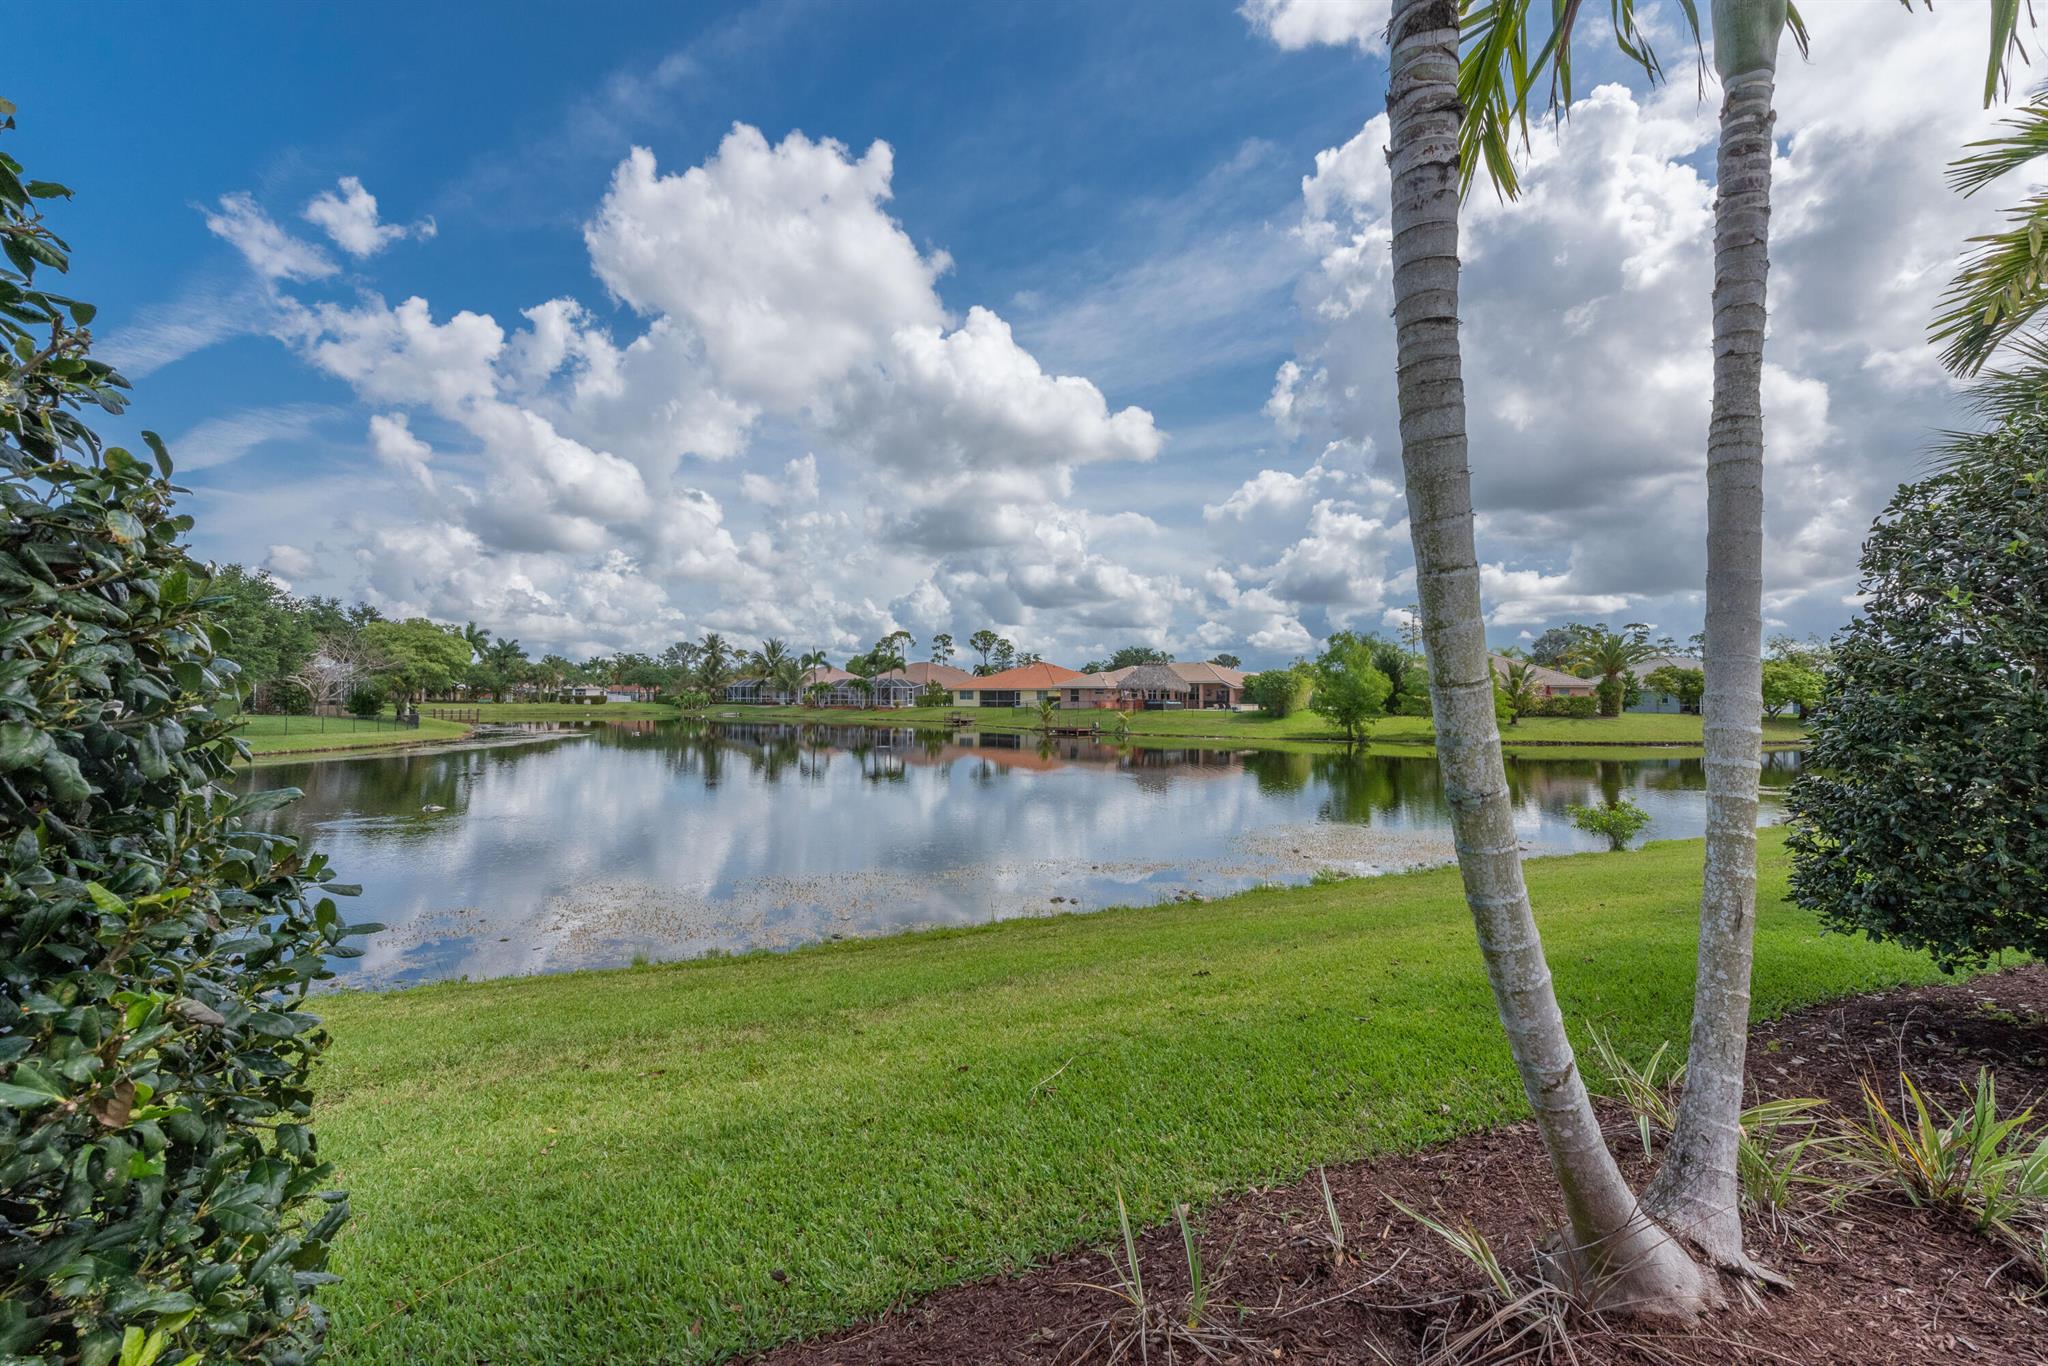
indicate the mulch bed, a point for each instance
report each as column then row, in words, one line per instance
column 1876, row 1281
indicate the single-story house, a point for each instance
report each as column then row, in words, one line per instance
column 755, row 691
column 926, row 674
column 1650, row 700
column 1024, row 686
column 1212, row 685
column 1549, row 682
column 588, row 694
column 1155, row 685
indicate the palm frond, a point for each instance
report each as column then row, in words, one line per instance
column 2016, row 388
column 1999, row 287
column 2023, row 138
column 1795, row 24
column 1497, row 72
column 2005, row 45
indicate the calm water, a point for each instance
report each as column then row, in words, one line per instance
column 587, row 846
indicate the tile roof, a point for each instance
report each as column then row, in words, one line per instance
column 1024, row 676
column 1543, row 676
column 1209, row 673
column 1187, row 673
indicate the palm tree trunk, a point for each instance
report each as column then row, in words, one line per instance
column 1695, row 1192
column 1613, row 1248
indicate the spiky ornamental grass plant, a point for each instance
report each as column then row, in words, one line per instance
column 161, row 1196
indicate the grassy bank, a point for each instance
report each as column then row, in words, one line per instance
column 272, row 736
column 1638, row 729
column 682, row 1162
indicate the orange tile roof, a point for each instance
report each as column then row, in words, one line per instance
column 1024, row 676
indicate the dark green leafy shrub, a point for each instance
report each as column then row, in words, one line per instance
column 1580, row 708
column 366, row 700
column 158, row 1181
column 1922, row 817
column 1279, row 692
column 1610, row 695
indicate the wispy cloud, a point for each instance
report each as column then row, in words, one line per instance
column 205, row 312
column 222, row 440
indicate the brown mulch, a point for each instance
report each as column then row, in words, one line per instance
column 1876, row 1281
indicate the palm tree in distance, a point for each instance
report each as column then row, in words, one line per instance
column 769, row 657
column 714, row 663
column 1519, row 687
column 1609, row 655
column 479, row 639
column 787, row 678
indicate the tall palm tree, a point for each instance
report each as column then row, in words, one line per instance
column 787, row 678
column 1613, row 1246
column 714, row 663
column 769, row 657
column 1695, row 1190
column 479, row 639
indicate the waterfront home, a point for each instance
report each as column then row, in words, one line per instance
column 1549, row 682
column 1024, row 686
column 924, row 675
column 1650, row 700
column 584, row 694
column 1156, row 685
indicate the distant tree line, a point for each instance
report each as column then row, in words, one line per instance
column 299, row 654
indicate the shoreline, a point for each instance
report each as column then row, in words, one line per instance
column 891, row 720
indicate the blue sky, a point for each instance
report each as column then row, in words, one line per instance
column 1132, row 194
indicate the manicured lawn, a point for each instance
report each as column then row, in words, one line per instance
column 1627, row 729
column 269, row 736
column 686, row 1161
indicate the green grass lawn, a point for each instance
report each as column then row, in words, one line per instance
column 1251, row 727
column 687, row 1161
column 270, row 736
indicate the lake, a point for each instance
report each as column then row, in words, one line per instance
column 596, row 844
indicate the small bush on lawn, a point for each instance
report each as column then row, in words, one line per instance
column 366, row 701
column 1579, row 708
column 1617, row 823
column 161, row 1198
